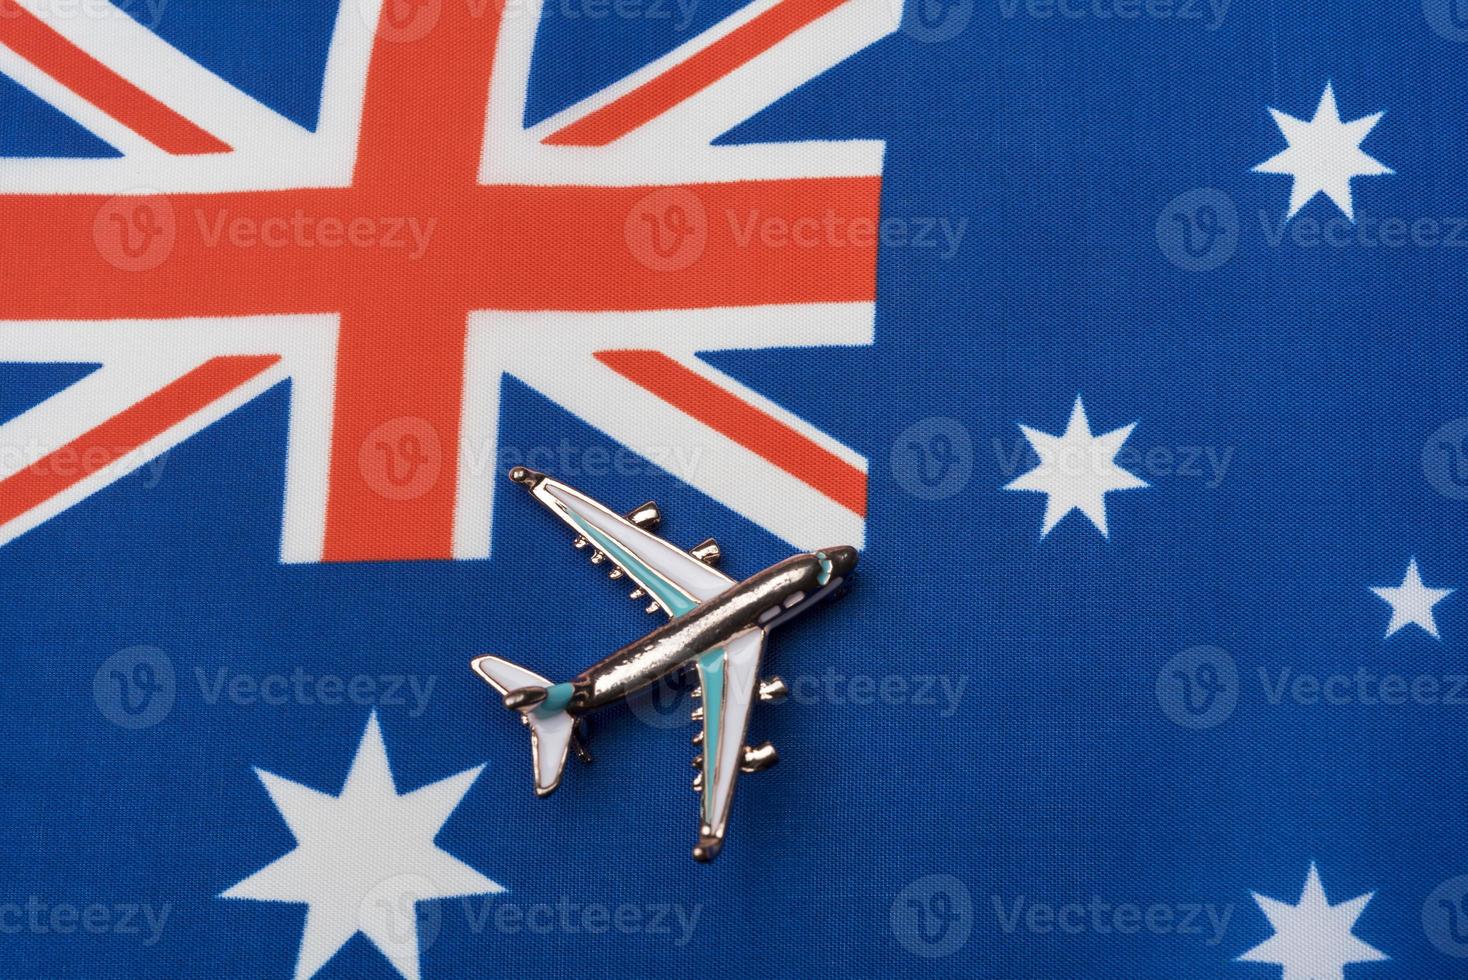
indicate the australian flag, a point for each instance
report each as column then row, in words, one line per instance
column 1124, row 338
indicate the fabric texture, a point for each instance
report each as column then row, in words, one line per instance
column 1124, row 338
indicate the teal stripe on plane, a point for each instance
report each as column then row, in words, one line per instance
column 557, row 696
column 664, row 591
column 711, row 674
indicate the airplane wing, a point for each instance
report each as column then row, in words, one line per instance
column 675, row 580
column 729, row 679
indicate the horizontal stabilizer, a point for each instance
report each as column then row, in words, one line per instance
column 550, row 728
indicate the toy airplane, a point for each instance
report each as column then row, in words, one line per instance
column 717, row 626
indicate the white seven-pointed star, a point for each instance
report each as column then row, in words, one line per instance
column 1313, row 940
column 1412, row 601
column 364, row 859
column 1323, row 155
column 1077, row 470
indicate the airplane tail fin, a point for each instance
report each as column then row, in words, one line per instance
column 542, row 706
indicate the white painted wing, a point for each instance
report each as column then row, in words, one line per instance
column 672, row 578
column 729, row 677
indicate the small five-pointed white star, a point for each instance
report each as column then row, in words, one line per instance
column 364, row 859
column 1077, row 470
column 1313, row 940
column 1412, row 601
column 1323, row 155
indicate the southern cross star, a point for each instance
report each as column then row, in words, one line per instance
column 1323, row 155
column 364, row 859
column 1077, row 470
column 1312, row 939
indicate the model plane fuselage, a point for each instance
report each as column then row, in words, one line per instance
column 773, row 595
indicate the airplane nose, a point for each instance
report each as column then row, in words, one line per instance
column 843, row 560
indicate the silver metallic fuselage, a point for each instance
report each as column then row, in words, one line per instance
column 760, row 601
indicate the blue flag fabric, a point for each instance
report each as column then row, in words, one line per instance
column 1124, row 337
